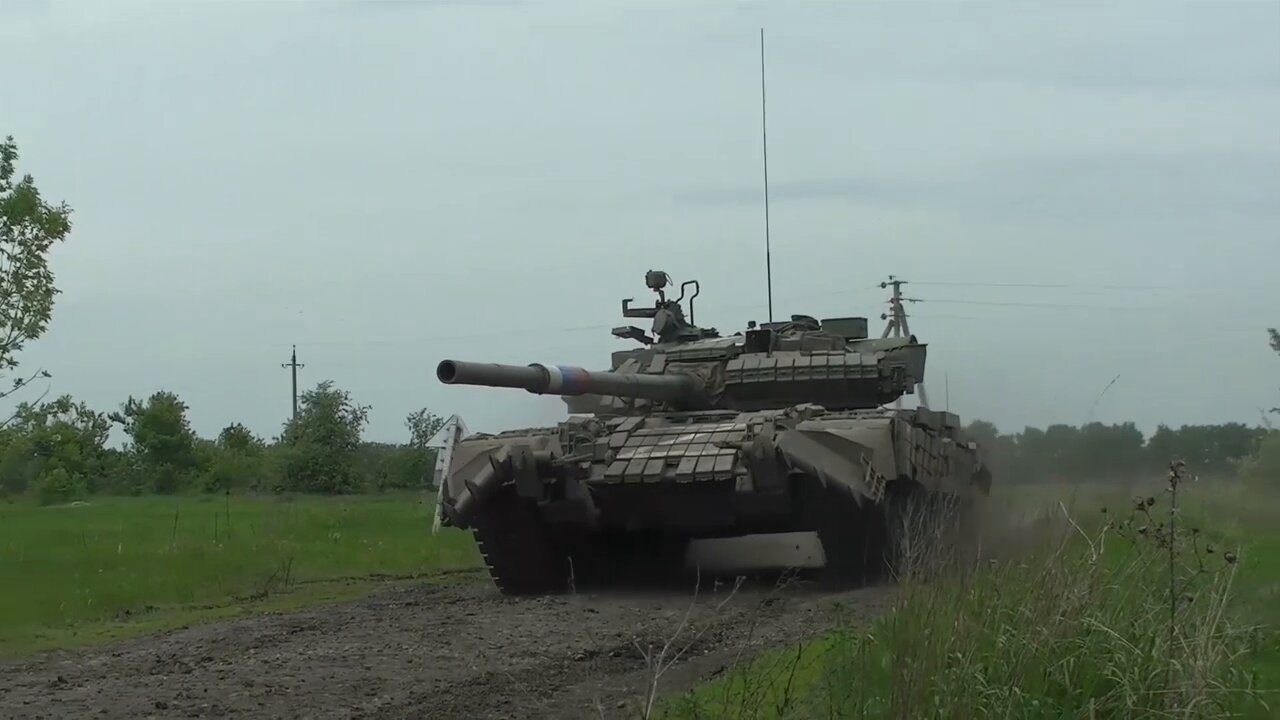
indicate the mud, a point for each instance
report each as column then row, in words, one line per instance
column 433, row 650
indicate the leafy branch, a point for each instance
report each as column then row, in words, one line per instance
column 29, row 227
column 20, row 383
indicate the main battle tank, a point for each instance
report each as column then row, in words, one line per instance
column 771, row 448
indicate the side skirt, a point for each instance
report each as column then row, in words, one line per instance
column 756, row 553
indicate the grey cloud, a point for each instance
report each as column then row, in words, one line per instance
column 1123, row 184
column 1153, row 45
column 845, row 189
column 401, row 5
column 18, row 8
column 1118, row 184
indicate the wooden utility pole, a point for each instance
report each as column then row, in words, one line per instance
column 293, row 366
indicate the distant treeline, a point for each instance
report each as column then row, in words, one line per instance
column 1096, row 451
column 57, row 451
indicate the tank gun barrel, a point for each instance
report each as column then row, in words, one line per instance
column 567, row 380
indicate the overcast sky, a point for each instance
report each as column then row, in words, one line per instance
column 388, row 184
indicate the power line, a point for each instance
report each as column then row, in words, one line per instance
column 854, row 290
column 802, row 297
column 1011, row 303
column 600, row 327
column 1172, row 323
column 1041, row 285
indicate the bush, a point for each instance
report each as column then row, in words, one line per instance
column 1263, row 467
column 56, row 486
column 318, row 449
column 18, row 465
column 395, row 467
column 310, row 467
column 232, row 471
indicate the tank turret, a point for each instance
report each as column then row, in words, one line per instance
column 804, row 360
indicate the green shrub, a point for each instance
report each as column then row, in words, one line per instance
column 1263, row 467
column 57, row 485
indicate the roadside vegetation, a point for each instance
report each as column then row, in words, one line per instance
column 113, row 567
column 1089, row 602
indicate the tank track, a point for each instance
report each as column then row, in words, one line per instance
column 854, row 537
column 524, row 557
column 863, row 544
column 879, row 541
column 520, row 553
column 927, row 530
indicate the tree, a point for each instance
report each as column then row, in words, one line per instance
column 56, row 449
column 998, row 451
column 162, row 439
column 1263, row 467
column 320, row 446
column 29, row 226
column 1111, row 450
column 238, row 438
column 86, row 426
column 1275, row 345
column 423, row 425
column 983, row 432
column 1264, row 464
column 1207, row 449
column 235, row 461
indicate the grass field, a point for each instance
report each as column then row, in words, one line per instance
column 1069, row 620
column 114, row 567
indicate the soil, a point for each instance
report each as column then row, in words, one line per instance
column 432, row 650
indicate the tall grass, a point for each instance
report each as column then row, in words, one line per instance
column 1128, row 613
column 116, row 559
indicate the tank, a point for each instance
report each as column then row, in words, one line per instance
column 772, row 448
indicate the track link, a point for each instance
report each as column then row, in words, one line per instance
column 519, row 551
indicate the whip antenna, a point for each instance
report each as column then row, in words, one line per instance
column 764, row 138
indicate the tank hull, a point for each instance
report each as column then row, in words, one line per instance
column 605, row 500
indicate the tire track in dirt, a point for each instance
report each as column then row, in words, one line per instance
column 429, row 651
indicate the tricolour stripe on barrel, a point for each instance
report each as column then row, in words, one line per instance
column 573, row 380
column 554, row 381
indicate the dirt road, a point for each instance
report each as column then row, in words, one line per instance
column 456, row 650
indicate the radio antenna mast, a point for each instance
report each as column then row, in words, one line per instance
column 764, row 138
